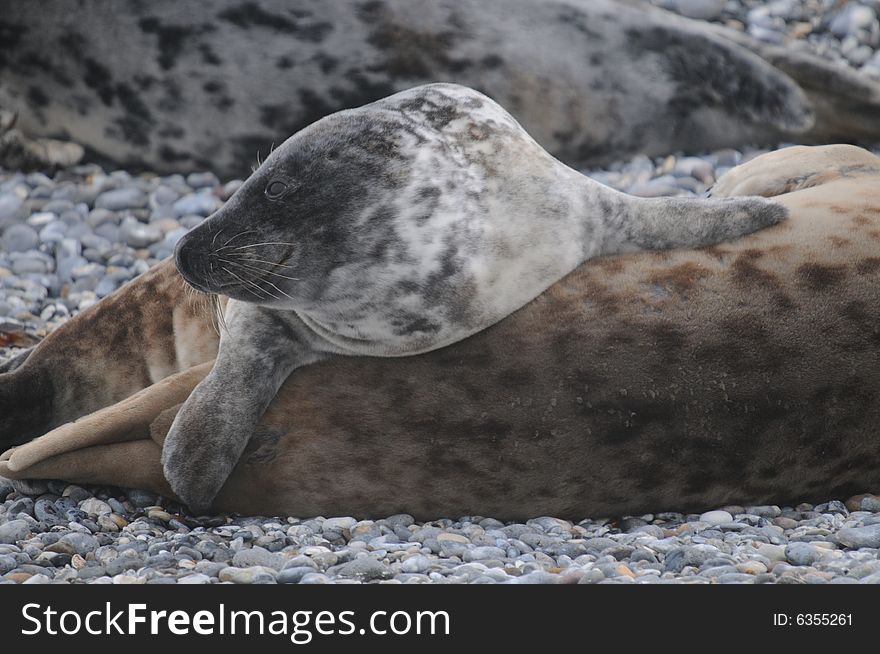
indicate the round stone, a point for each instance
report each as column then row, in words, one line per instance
column 19, row 238
column 716, row 517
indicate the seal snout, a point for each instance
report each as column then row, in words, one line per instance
column 193, row 262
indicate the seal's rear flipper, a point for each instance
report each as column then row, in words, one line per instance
column 128, row 420
column 794, row 169
column 135, row 464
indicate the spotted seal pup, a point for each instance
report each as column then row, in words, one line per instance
column 175, row 85
column 391, row 230
column 743, row 373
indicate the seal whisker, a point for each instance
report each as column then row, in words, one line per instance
column 218, row 320
column 256, row 245
column 251, row 258
column 224, row 246
column 266, row 281
column 260, row 270
column 249, row 283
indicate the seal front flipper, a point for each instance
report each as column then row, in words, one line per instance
column 215, row 423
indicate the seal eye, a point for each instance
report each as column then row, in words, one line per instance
column 276, row 189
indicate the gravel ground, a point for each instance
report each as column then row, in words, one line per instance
column 70, row 239
column 69, row 535
column 844, row 32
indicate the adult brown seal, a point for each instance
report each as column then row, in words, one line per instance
column 746, row 372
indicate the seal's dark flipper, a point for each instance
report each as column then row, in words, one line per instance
column 21, row 152
column 26, row 396
column 11, row 364
column 707, row 71
column 845, row 102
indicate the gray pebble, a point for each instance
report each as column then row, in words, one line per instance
column 19, row 238
column 13, row 531
column 252, row 575
column 293, row 575
column 258, row 556
column 365, row 569
column 858, row 537
column 120, row 199
column 801, row 554
column 199, row 204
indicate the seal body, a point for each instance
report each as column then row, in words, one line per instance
column 394, row 229
column 174, row 85
column 743, row 373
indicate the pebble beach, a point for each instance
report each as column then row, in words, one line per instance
column 70, row 238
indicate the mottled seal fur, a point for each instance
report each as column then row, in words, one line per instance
column 391, row 230
column 177, row 85
column 741, row 373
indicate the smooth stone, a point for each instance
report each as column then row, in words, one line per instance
column 13, row 531
column 161, row 200
column 801, row 554
column 19, row 238
column 483, row 553
column 681, row 557
column 198, row 204
column 258, row 556
column 140, row 498
column 365, row 569
column 123, row 564
column 77, row 543
column 7, row 563
column 196, row 578
column 252, row 575
column 338, row 523
column 700, row 9
column 21, row 505
column 294, row 575
column 858, row 537
column 752, row 567
column 202, row 180
column 6, row 488
column 716, row 517
column 416, row 564
column 138, row 235
column 300, row 561
column 315, row 578
column 122, row 198
column 785, row 523
column 12, row 209
column 853, row 18
column 99, row 217
column 94, row 506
